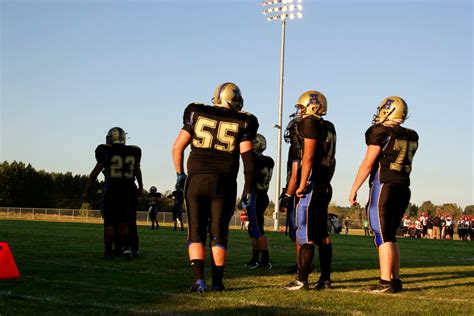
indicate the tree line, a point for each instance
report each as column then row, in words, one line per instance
column 22, row 185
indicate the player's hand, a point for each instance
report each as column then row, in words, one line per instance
column 284, row 201
column 180, row 180
column 139, row 192
column 353, row 198
column 245, row 201
column 300, row 192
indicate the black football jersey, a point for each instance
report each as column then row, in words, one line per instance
column 398, row 145
column 324, row 162
column 153, row 198
column 263, row 172
column 178, row 196
column 216, row 136
column 295, row 151
column 120, row 163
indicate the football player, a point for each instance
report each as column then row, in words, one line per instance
column 263, row 171
column 154, row 206
column 178, row 197
column 388, row 161
column 218, row 135
column 121, row 166
column 293, row 168
column 314, row 190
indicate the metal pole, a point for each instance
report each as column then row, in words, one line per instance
column 279, row 127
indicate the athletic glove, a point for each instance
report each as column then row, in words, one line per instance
column 181, row 178
column 284, row 201
column 245, row 201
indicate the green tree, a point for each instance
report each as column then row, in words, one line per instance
column 469, row 210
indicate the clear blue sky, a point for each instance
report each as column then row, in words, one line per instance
column 72, row 69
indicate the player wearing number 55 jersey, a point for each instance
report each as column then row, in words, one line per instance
column 388, row 161
column 120, row 164
column 218, row 136
column 314, row 192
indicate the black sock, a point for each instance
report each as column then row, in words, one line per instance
column 108, row 248
column 255, row 255
column 385, row 282
column 306, row 258
column 325, row 259
column 197, row 266
column 265, row 256
column 217, row 272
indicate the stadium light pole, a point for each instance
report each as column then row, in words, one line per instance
column 281, row 10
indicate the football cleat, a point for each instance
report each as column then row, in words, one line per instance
column 218, row 287
column 397, row 285
column 296, row 285
column 267, row 265
column 127, row 254
column 323, row 284
column 382, row 288
column 252, row 264
column 198, row 287
column 107, row 256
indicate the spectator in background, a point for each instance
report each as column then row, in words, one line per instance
column 443, row 227
column 346, row 226
column 429, row 225
column 449, row 227
column 424, row 224
column 437, row 227
column 366, row 227
column 418, row 228
column 243, row 219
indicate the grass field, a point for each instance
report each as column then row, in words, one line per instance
column 62, row 274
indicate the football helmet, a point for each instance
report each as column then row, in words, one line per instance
column 391, row 109
column 228, row 95
column 259, row 144
column 116, row 135
column 312, row 103
column 153, row 189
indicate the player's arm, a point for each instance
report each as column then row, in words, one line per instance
column 306, row 164
column 180, row 144
column 138, row 176
column 92, row 177
column 246, row 153
column 373, row 151
column 292, row 184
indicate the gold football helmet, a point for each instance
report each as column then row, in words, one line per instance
column 313, row 103
column 391, row 109
column 116, row 135
column 259, row 144
column 228, row 95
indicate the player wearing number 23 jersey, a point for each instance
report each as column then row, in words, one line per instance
column 120, row 164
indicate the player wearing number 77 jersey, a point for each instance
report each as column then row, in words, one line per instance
column 219, row 135
column 120, row 164
column 388, row 161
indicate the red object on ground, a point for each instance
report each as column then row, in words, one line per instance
column 8, row 269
